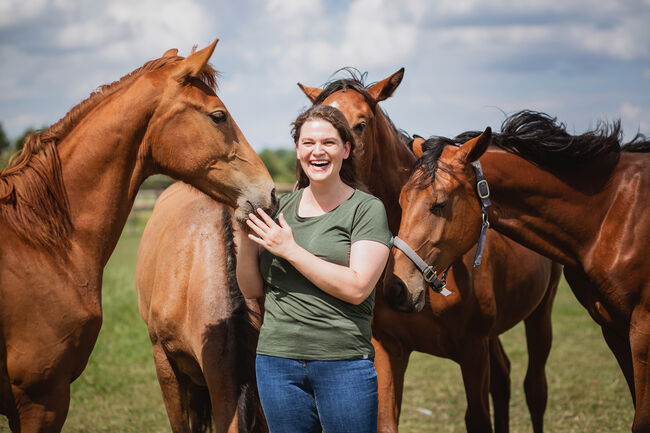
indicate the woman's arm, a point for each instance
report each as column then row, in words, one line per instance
column 351, row 284
column 248, row 267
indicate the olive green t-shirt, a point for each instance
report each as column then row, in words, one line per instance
column 300, row 320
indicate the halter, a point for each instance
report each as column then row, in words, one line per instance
column 439, row 285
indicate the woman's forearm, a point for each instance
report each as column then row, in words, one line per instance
column 351, row 284
column 248, row 268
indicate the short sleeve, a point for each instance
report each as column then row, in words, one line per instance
column 370, row 223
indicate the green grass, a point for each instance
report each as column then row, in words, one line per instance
column 118, row 392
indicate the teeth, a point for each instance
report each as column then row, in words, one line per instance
column 320, row 163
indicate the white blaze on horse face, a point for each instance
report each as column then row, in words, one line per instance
column 335, row 105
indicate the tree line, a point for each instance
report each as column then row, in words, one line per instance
column 281, row 163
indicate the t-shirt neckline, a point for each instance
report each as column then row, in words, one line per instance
column 302, row 218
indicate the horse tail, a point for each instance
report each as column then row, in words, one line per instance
column 200, row 408
column 249, row 410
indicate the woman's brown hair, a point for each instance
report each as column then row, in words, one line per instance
column 340, row 123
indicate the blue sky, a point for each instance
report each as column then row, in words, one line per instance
column 467, row 61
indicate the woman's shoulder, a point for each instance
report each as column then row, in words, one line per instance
column 362, row 197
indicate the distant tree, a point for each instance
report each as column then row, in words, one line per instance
column 4, row 140
column 20, row 141
column 280, row 163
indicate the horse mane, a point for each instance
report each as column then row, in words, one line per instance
column 33, row 199
column 250, row 416
column 539, row 138
column 356, row 81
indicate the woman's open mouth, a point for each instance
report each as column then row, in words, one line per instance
column 319, row 165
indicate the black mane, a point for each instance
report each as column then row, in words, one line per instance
column 356, row 81
column 539, row 138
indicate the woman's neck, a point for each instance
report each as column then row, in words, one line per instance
column 325, row 196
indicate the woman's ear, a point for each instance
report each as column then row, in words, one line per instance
column 347, row 150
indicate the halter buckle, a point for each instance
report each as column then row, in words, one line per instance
column 429, row 274
column 482, row 189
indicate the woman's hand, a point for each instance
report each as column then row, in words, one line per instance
column 276, row 239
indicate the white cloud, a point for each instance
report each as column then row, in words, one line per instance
column 462, row 57
column 630, row 111
column 14, row 12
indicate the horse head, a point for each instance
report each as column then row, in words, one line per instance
column 191, row 136
column 359, row 105
column 441, row 217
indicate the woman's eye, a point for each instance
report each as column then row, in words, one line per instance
column 218, row 116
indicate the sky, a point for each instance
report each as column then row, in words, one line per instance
column 468, row 63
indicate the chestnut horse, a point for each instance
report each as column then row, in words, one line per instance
column 202, row 330
column 465, row 325
column 581, row 200
column 66, row 198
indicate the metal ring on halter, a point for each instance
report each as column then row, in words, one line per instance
column 482, row 189
column 429, row 274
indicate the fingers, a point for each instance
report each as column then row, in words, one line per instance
column 256, row 225
column 256, row 239
column 283, row 222
column 267, row 219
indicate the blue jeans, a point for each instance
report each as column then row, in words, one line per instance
column 309, row 396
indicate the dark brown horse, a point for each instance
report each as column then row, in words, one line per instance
column 465, row 325
column 581, row 200
column 66, row 198
column 202, row 330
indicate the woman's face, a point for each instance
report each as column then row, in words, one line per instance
column 321, row 150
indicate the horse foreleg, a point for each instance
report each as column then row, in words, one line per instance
column 539, row 338
column 173, row 391
column 639, row 344
column 391, row 360
column 500, row 385
column 42, row 409
column 475, row 365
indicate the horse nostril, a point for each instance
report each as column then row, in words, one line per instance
column 396, row 294
column 274, row 198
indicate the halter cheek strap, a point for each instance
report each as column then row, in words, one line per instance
column 430, row 275
column 483, row 191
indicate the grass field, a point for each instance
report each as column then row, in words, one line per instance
column 118, row 392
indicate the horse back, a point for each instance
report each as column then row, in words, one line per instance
column 181, row 276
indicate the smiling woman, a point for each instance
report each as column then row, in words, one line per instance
column 320, row 262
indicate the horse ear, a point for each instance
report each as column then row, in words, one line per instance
column 474, row 148
column 385, row 88
column 312, row 93
column 173, row 52
column 417, row 145
column 192, row 65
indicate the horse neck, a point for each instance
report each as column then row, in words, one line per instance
column 540, row 209
column 390, row 166
column 102, row 170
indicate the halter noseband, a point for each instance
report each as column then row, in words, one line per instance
column 439, row 285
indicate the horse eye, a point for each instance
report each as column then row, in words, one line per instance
column 218, row 116
column 437, row 208
column 359, row 127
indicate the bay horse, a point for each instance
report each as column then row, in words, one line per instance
column 204, row 333
column 581, row 200
column 465, row 325
column 65, row 199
